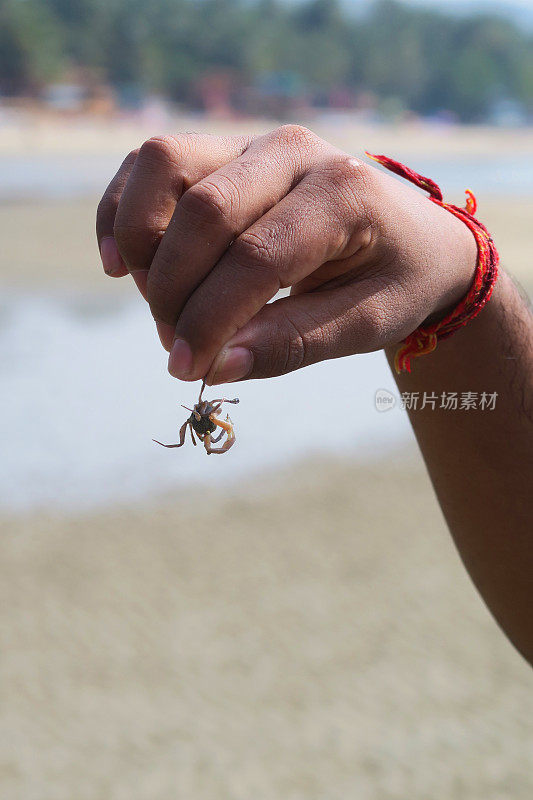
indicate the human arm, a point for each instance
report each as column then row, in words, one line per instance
column 481, row 459
column 212, row 227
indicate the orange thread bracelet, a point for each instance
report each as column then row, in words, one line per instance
column 425, row 338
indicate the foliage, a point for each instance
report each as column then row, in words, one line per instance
column 422, row 60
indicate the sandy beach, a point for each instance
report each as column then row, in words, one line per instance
column 49, row 133
column 313, row 637
column 306, row 634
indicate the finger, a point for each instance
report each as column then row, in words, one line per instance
column 217, row 209
column 105, row 219
column 296, row 331
column 165, row 167
column 312, row 225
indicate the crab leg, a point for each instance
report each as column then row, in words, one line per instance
column 218, row 450
column 221, row 400
column 183, row 431
column 226, row 425
column 201, row 392
column 196, row 414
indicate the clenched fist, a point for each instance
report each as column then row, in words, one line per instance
column 211, row 228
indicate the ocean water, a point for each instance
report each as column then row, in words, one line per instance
column 68, row 175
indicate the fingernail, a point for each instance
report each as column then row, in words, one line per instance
column 180, row 359
column 166, row 334
column 111, row 258
column 140, row 276
column 235, row 363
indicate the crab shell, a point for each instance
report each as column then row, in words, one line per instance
column 205, row 424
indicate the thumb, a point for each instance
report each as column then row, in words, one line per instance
column 303, row 329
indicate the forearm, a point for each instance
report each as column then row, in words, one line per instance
column 481, row 460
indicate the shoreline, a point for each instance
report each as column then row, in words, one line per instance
column 259, row 483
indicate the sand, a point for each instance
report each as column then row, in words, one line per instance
column 316, row 637
column 23, row 133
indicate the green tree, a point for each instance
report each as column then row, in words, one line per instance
column 408, row 57
column 31, row 46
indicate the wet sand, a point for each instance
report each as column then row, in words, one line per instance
column 313, row 637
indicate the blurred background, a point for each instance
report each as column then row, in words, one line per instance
column 291, row 620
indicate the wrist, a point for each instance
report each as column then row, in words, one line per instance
column 460, row 253
column 425, row 338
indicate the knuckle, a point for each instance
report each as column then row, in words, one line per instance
column 280, row 355
column 133, row 234
column 136, row 243
column 344, row 173
column 132, row 156
column 294, row 355
column 296, row 135
column 125, row 236
column 160, row 148
column 126, row 166
column 255, row 252
column 207, row 202
column 346, row 181
column 163, row 268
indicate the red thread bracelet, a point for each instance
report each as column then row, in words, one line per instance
column 425, row 338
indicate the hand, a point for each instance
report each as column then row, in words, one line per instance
column 212, row 227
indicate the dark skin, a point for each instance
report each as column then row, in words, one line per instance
column 211, row 227
column 481, row 462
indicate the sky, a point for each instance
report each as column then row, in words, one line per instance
column 480, row 5
column 519, row 10
column 443, row 4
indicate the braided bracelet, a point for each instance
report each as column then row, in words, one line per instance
column 424, row 339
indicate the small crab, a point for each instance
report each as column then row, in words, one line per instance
column 203, row 422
